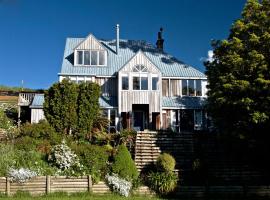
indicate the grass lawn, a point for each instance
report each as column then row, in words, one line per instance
column 77, row 196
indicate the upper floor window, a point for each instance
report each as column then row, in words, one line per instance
column 125, row 83
column 91, row 58
column 140, row 83
column 192, row 87
column 154, row 83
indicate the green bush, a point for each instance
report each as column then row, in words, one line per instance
column 41, row 130
column 26, row 143
column 93, row 158
column 123, row 164
column 7, row 158
column 162, row 182
column 165, row 163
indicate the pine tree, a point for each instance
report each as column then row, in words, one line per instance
column 239, row 75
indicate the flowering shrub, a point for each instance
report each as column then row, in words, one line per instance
column 63, row 158
column 119, row 185
column 20, row 175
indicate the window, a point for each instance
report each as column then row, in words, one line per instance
column 184, row 87
column 140, row 83
column 87, row 58
column 80, row 57
column 192, row 87
column 101, row 58
column 125, row 83
column 136, row 83
column 154, row 83
column 91, row 58
column 112, row 117
column 144, row 83
column 198, row 88
column 94, row 57
column 197, row 120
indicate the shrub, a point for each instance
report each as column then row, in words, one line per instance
column 119, row 185
column 41, row 130
column 165, row 163
column 94, row 159
column 62, row 156
column 20, row 175
column 26, row 143
column 162, row 182
column 6, row 159
column 123, row 164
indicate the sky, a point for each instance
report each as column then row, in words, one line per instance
column 33, row 32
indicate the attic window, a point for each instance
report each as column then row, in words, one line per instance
column 90, row 58
column 139, row 68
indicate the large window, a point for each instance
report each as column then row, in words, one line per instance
column 140, row 83
column 125, row 83
column 154, row 83
column 192, row 87
column 91, row 58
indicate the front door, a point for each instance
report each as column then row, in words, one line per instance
column 138, row 120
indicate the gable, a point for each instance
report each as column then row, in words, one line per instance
column 90, row 43
column 140, row 59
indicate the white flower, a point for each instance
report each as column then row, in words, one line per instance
column 20, row 175
column 119, row 185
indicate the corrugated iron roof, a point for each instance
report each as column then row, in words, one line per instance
column 105, row 102
column 183, row 102
column 37, row 101
column 167, row 64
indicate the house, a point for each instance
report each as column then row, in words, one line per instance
column 142, row 86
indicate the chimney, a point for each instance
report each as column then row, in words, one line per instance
column 160, row 40
column 117, row 38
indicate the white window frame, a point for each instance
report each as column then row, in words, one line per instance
column 125, row 75
column 98, row 65
column 195, row 87
column 140, row 75
column 154, row 76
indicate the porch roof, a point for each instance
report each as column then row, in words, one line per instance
column 183, row 102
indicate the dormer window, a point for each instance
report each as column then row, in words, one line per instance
column 91, row 58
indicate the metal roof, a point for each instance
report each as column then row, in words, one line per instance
column 105, row 102
column 167, row 64
column 183, row 102
column 37, row 101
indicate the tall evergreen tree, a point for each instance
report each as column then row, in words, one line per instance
column 239, row 75
column 60, row 106
column 88, row 106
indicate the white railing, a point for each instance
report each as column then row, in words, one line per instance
column 25, row 99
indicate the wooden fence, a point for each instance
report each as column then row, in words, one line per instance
column 49, row 184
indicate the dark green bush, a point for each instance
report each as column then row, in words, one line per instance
column 162, row 182
column 123, row 164
column 26, row 143
column 93, row 158
column 41, row 130
column 165, row 163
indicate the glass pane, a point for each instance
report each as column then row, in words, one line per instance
column 94, row 57
column 125, row 83
column 154, row 83
column 198, row 88
column 136, row 83
column 101, row 58
column 191, row 88
column 144, row 83
column 80, row 57
column 87, row 58
column 112, row 117
column 184, row 87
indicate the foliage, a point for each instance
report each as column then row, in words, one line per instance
column 41, row 130
column 6, row 123
column 93, row 158
column 126, row 136
column 6, row 158
column 123, row 164
column 119, row 185
column 62, row 157
column 165, row 163
column 239, row 74
column 20, row 175
column 162, row 182
column 60, row 106
column 88, row 106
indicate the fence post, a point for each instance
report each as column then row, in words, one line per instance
column 48, row 184
column 90, row 183
column 7, row 186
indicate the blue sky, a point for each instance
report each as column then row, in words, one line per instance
column 33, row 32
